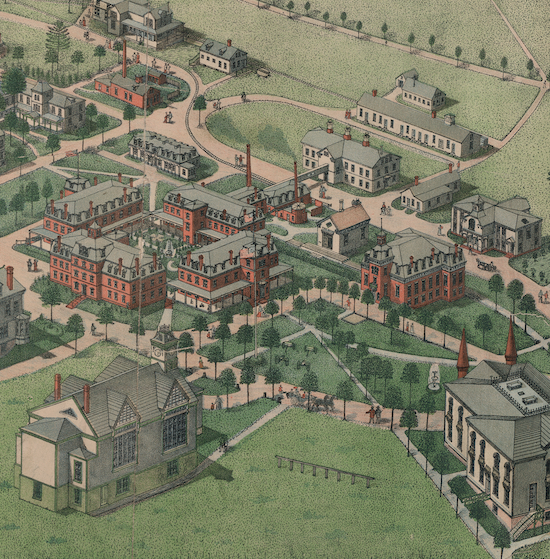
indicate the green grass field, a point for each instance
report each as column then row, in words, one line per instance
column 93, row 162
column 119, row 145
column 48, row 12
column 183, row 315
column 207, row 75
column 11, row 160
column 277, row 229
column 306, row 237
column 229, row 184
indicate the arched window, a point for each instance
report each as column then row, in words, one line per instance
column 471, row 224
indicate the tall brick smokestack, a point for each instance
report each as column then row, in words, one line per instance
column 65, row 211
column 57, row 387
column 9, row 277
column 295, row 182
column 137, row 266
column 124, row 58
column 52, row 207
column 86, row 398
column 462, row 364
column 188, row 260
column 248, row 167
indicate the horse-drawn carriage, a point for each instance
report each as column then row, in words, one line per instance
column 484, row 266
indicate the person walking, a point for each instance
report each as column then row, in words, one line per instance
column 372, row 414
column 29, row 265
column 93, row 329
column 378, row 412
column 35, row 265
column 540, row 296
column 412, row 329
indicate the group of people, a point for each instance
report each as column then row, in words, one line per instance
column 543, row 296
column 385, row 210
column 168, row 117
column 31, row 264
column 374, row 414
column 217, row 404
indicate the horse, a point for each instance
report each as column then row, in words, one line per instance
column 328, row 402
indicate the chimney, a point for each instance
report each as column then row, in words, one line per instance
column 268, row 237
column 228, row 42
column 244, row 212
column 414, row 82
column 347, row 133
column 248, row 200
column 120, row 177
column 91, row 208
column 178, row 199
column 434, row 114
column 137, row 266
column 188, row 260
column 433, row 253
column 341, row 205
column 511, row 354
column 95, row 181
column 411, row 260
column 131, row 183
column 154, row 260
column 86, row 398
column 57, row 387
column 65, row 211
column 374, row 92
column 61, row 192
column 138, row 79
column 203, row 184
column 295, row 182
column 231, row 257
column 462, row 364
column 450, row 167
column 456, row 249
column 52, row 207
column 329, row 127
column 366, row 141
column 255, row 193
column 9, row 277
column 248, row 167
column 119, row 266
column 224, row 213
column 125, row 194
column 124, row 58
column 58, row 243
column 415, row 181
column 201, row 262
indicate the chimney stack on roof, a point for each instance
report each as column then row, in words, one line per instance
column 228, row 42
column 511, row 353
column 231, row 258
column 416, row 181
column 366, row 141
column 268, row 237
column 95, row 181
column 411, row 260
column 125, row 194
column 255, row 193
column 154, row 260
column 58, row 243
column 131, row 182
column 120, row 266
column 91, row 208
column 86, row 398
column 347, row 133
column 462, row 363
column 203, row 184
column 65, row 211
column 178, row 199
column 341, row 205
column 456, row 249
column 137, row 266
column 450, row 167
column 434, row 114
column 433, row 253
column 120, row 177
column 374, row 92
column 124, row 58
column 61, row 192
column 201, row 261
column 224, row 213
column 188, row 259
column 330, row 129
column 57, row 387
column 9, row 277
column 52, row 207
column 248, row 167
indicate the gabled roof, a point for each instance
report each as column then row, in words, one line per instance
column 354, row 215
column 5, row 292
column 219, row 50
column 435, row 186
column 42, row 87
column 54, row 429
column 409, row 74
column 415, row 87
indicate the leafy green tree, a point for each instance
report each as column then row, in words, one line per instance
column 186, row 344
column 13, row 81
column 273, row 376
column 200, row 325
column 272, row 309
column 354, row 293
column 106, row 316
column 343, row 17
column 248, row 377
column 52, row 144
column 138, row 328
column 408, row 420
column 431, row 42
column 445, row 323
column 484, row 324
column 393, row 400
column 32, row 194
column 299, row 305
column 245, row 335
column 339, row 340
column 332, row 286
column 503, row 65
column 102, row 123
column 293, row 289
column 392, row 322
column 245, row 309
column 411, row 41
column 290, row 7
column 344, row 391
column 385, row 305
column 91, row 110
column 283, row 294
column 228, row 381
column 2, row 104
column 84, row 131
column 427, row 405
column 385, row 372
column 343, row 289
column 100, row 52
column 307, row 286
column 3, row 207
column 76, row 326
column 530, row 66
column 309, row 383
column 425, row 317
column 271, row 339
column 384, row 29
column 47, row 188
column 223, row 333
column 17, row 204
column 20, row 153
column 77, row 57
column 325, row 18
column 428, row 447
column 58, row 39
column 410, row 375
column 367, row 298
column 10, row 121
column 226, row 316
column 482, row 56
column 501, row 539
column 320, row 284
column 215, row 355
column 199, row 105
column 496, row 285
column 307, row 7
column 515, row 292
column 369, row 367
column 129, row 114
column 405, row 311
column 51, row 296
column 478, row 511
column 18, row 53
column 118, row 47
column 527, row 305
column 51, row 58
column 359, row 26
column 24, row 128
column 458, row 54
column 441, row 462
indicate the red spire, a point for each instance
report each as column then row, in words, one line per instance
column 462, row 364
column 511, row 354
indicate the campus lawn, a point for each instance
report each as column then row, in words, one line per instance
column 207, row 75
column 229, row 184
column 39, row 143
column 90, row 93
column 11, row 161
column 48, row 12
column 99, row 163
column 33, row 252
column 419, row 438
column 278, row 230
column 305, row 237
column 165, row 89
column 232, row 349
column 376, row 334
column 183, row 315
column 163, row 188
column 212, row 387
column 538, row 358
column 535, row 265
column 100, row 177
column 119, row 145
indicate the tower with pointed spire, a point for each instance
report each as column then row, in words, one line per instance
column 462, row 364
column 511, row 353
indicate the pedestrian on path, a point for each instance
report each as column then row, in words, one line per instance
column 440, row 230
column 546, row 297
column 372, row 414
column 540, row 296
column 219, row 403
column 407, row 327
column 29, row 265
column 93, row 329
column 378, row 414
column 412, row 328
column 35, row 265
column 212, row 406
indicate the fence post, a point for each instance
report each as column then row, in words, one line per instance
column 301, row 467
column 279, row 462
column 326, row 473
column 291, row 465
column 314, row 469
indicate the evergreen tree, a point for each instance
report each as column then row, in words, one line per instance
column 57, row 39
column 75, row 325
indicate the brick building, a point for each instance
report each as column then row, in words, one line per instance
column 130, row 91
column 415, row 269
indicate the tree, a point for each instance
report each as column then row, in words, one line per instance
column 359, row 26
column 325, row 18
column 226, row 316
column 405, row 311
column 248, row 377
column 530, row 66
column 76, row 326
column 425, row 317
column 484, row 324
column 343, row 17
column 199, row 325
column 13, row 81
column 223, row 333
column 367, row 298
column 228, row 381
column 199, row 105
column 102, row 122
column 53, row 144
column 310, row 382
column 2, row 104
column 441, row 463
column 428, row 448
column 299, row 305
column 51, row 58
column 515, row 292
column 17, row 204
column 32, row 194
column 245, row 334
column 215, row 355
column 185, row 344
column 393, row 322
column 458, row 53
column 307, row 286
column 344, row 391
column 84, row 131
column 478, row 511
column 100, row 52
column 369, row 367
column 57, row 39
column 47, row 189
column 3, row 207
column 118, row 48
column 410, row 375
column 271, row 338
column 527, row 305
column 332, row 286
column 385, row 305
column 411, row 41
column 293, row 289
column 393, row 400
column 384, row 29
column 385, row 372
column 51, row 296
column 91, row 110
column 245, row 309
column 106, row 316
column 320, row 284
column 354, row 293
column 20, row 153
column 307, row 7
column 445, row 323
column 23, row 128
column 283, row 295
column 129, row 114
column 272, row 309
column 339, row 340
column 497, row 286
column 426, row 405
column 343, row 288
column 138, row 328
column 408, row 420
column 501, row 538
column 332, row 321
column 503, row 65
column 431, row 42
column 273, row 376
column 10, row 121
column 482, row 56
column 77, row 57
column 290, row 7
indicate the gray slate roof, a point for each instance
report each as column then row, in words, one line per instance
column 53, row 429
column 219, row 50
column 436, row 186
column 415, row 87
column 17, row 287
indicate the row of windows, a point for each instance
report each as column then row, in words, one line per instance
column 114, row 296
column 61, row 277
column 11, row 305
column 413, row 97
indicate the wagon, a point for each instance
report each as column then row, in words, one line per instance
column 263, row 72
column 484, row 266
